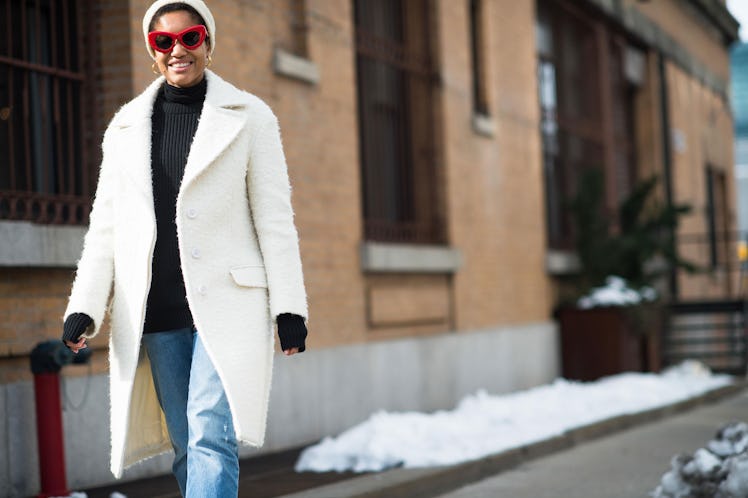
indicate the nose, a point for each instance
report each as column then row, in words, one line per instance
column 178, row 49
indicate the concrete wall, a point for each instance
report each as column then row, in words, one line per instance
column 316, row 394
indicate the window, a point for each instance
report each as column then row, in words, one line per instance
column 477, row 51
column 44, row 165
column 396, row 81
column 587, row 118
column 292, row 34
column 716, row 217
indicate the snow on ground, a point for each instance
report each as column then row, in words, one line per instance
column 718, row 471
column 483, row 424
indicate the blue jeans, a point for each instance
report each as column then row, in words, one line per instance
column 206, row 454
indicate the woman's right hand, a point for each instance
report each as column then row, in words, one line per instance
column 75, row 325
column 77, row 346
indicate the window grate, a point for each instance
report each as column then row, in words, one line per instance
column 396, row 82
column 587, row 111
column 44, row 170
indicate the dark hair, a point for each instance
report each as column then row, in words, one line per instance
column 174, row 7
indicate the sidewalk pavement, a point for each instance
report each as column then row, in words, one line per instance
column 622, row 457
column 628, row 464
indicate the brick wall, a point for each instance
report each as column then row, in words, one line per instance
column 491, row 186
column 690, row 29
column 492, row 230
column 32, row 302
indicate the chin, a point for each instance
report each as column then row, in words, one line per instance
column 184, row 80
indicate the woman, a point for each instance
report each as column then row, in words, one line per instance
column 192, row 234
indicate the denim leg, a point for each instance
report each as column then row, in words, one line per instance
column 170, row 354
column 213, row 454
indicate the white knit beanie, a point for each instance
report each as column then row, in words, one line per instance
column 198, row 5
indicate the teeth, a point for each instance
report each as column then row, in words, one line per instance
column 181, row 64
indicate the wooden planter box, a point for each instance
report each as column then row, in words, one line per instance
column 610, row 340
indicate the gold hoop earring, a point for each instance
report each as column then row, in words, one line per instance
column 210, row 61
column 155, row 70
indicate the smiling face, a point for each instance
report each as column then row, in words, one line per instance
column 181, row 67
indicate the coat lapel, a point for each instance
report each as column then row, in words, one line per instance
column 133, row 141
column 222, row 118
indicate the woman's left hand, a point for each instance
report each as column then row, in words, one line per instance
column 289, row 352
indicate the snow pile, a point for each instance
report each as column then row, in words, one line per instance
column 484, row 424
column 718, row 471
column 616, row 292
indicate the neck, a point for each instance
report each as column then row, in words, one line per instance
column 185, row 95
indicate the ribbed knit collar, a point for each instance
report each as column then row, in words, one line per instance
column 190, row 95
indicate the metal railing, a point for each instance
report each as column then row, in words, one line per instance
column 708, row 321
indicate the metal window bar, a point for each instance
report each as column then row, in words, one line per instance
column 480, row 100
column 42, row 151
column 396, row 79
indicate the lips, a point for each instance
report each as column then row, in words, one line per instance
column 180, row 65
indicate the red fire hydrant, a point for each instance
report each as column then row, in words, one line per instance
column 47, row 359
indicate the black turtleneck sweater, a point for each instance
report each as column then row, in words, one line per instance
column 176, row 113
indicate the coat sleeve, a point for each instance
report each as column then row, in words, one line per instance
column 269, row 193
column 93, row 278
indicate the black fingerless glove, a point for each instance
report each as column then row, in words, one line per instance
column 75, row 325
column 291, row 331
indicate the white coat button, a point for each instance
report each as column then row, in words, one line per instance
column 192, row 213
column 196, row 253
column 202, row 290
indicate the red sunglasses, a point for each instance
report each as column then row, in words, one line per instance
column 190, row 38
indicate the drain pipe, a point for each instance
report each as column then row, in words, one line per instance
column 667, row 157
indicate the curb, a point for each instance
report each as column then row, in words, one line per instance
column 429, row 482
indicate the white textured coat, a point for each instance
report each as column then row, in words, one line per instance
column 239, row 253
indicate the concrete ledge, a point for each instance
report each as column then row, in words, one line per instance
column 293, row 66
column 484, row 125
column 561, row 262
column 27, row 244
column 409, row 258
column 422, row 483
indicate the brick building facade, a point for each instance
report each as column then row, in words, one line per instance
column 430, row 219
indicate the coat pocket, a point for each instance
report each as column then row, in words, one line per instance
column 249, row 276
